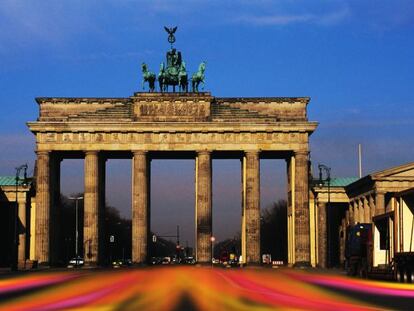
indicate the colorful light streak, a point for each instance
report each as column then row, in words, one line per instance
column 166, row 288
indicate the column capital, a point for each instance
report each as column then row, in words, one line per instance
column 203, row 152
column 91, row 152
column 139, row 152
column 42, row 152
column 301, row 153
column 252, row 152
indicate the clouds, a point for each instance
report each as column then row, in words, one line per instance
column 59, row 24
column 330, row 18
column 42, row 22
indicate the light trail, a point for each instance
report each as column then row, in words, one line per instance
column 174, row 288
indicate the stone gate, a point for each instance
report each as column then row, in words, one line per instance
column 171, row 125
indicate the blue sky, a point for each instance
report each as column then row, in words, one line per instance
column 353, row 58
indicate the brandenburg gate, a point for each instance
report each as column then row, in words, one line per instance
column 153, row 125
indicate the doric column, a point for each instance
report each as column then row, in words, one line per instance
column 203, row 207
column 22, row 229
column 322, row 235
column 252, row 209
column 140, row 207
column 91, row 208
column 351, row 213
column 342, row 240
column 243, row 210
column 361, row 210
column 367, row 214
column 379, row 203
column 302, row 229
column 42, row 207
column 371, row 201
column 356, row 211
column 290, row 167
column 347, row 218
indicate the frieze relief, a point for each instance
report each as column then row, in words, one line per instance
column 171, row 110
column 172, row 137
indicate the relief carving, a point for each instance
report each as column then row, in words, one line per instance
column 99, row 137
column 168, row 109
column 50, row 137
column 67, row 137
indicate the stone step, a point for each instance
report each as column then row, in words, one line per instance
column 118, row 111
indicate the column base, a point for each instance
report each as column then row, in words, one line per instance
column 203, row 264
column 302, row 265
column 27, row 264
column 252, row 265
column 90, row 265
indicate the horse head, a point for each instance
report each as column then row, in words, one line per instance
column 144, row 67
column 202, row 67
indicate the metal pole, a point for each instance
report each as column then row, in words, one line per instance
column 77, row 230
column 178, row 235
column 328, row 216
column 16, row 215
column 360, row 160
column 14, row 264
column 77, row 226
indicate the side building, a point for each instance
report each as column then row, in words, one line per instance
column 17, row 213
column 384, row 199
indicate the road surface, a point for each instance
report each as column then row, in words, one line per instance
column 196, row 288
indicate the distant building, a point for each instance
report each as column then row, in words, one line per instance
column 383, row 198
column 25, row 213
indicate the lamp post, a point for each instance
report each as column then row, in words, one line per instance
column 327, row 171
column 77, row 226
column 14, row 265
column 212, row 239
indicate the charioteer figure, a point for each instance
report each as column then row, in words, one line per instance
column 173, row 72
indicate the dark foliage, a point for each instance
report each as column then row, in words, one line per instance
column 273, row 231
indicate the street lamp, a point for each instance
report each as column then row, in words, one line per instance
column 14, row 265
column 77, row 226
column 212, row 239
column 327, row 171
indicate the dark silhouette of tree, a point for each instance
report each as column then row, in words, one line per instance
column 118, row 236
column 227, row 247
column 273, row 231
column 112, row 225
column 162, row 247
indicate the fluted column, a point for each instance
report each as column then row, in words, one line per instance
column 361, row 210
column 371, row 202
column 351, row 214
column 242, row 260
column 367, row 214
column 347, row 222
column 91, row 208
column 356, row 211
column 302, row 227
column 252, row 207
column 140, row 207
column 204, row 228
column 322, row 235
column 379, row 203
column 342, row 241
column 22, row 229
column 42, row 207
